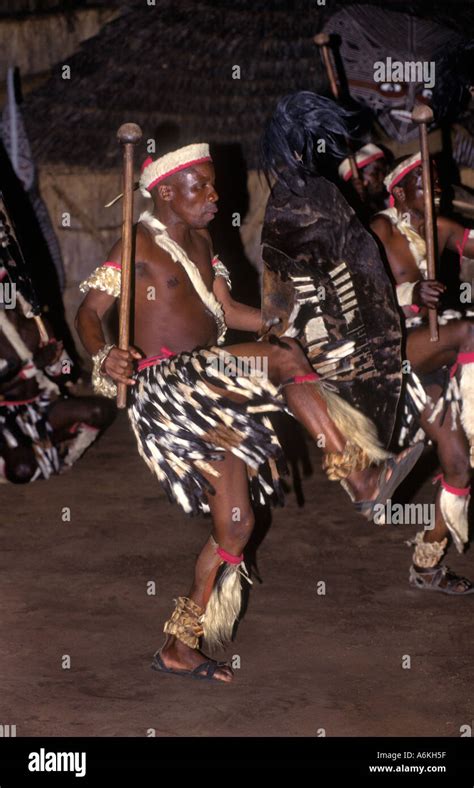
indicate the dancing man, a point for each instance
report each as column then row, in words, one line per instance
column 199, row 411
column 442, row 373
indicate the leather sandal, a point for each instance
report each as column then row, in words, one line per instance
column 205, row 671
column 387, row 486
column 440, row 578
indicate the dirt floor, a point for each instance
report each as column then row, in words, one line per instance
column 308, row 661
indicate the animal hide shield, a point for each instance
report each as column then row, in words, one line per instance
column 325, row 280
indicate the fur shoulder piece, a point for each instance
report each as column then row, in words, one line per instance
column 104, row 277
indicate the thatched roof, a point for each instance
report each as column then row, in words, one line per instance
column 36, row 42
column 172, row 63
column 27, row 8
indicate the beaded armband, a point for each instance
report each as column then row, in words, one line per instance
column 102, row 383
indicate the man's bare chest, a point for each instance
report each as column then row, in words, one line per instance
column 168, row 281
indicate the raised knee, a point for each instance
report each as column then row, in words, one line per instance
column 291, row 346
column 288, row 355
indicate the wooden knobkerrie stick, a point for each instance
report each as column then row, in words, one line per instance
column 322, row 40
column 423, row 115
column 128, row 135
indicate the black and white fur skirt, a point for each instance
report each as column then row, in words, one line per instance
column 27, row 424
column 181, row 425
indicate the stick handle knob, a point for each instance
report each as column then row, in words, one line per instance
column 422, row 114
column 321, row 39
column 129, row 134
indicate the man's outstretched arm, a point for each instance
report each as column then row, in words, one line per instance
column 237, row 315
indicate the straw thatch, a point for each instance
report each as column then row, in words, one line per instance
column 35, row 43
column 174, row 62
column 18, row 9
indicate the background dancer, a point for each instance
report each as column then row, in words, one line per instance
column 443, row 409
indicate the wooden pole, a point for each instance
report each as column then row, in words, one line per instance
column 128, row 135
column 423, row 115
column 322, row 40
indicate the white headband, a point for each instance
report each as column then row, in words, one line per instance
column 402, row 169
column 155, row 171
column 363, row 157
column 397, row 175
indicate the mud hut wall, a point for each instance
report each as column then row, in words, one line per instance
column 85, row 229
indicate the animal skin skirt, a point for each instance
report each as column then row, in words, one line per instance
column 182, row 425
column 25, row 423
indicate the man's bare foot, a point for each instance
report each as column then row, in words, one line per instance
column 177, row 656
